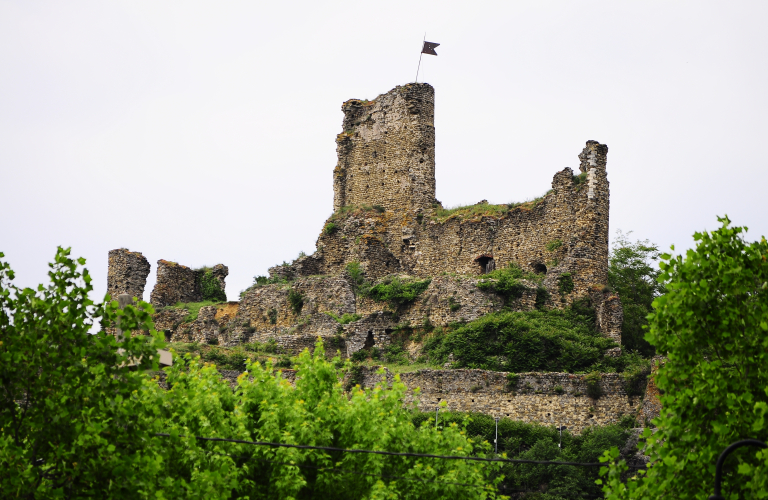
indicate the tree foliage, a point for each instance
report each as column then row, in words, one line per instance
column 632, row 273
column 68, row 405
column 712, row 324
column 76, row 421
column 531, row 441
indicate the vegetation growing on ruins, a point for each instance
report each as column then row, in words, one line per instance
column 193, row 308
column 344, row 318
column 330, row 228
column 565, row 283
column 580, row 179
column 233, row 358
column 553, row 245
column 296, row 300
column 210, row 286
column 506, row 282
column 483, row 209
column 539, row 340
column 396, row 292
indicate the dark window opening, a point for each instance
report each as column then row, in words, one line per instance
column 388, row 331
column 487, row 264
column 369, row 341
column 540, row 268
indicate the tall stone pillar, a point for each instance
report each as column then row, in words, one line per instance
column 127, row 273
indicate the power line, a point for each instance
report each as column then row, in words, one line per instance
column 394, row 453
column 352, row 471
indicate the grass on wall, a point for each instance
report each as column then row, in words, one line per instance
column 480, row 210
column 193, row 308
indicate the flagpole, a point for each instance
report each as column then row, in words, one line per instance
column 420, row 54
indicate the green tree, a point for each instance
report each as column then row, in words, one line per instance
column 316, row 411
column 633, row 274
column 76, row 421
column 712, row 324
column 68, row 406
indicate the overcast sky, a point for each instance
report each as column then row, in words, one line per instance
column 203, row 132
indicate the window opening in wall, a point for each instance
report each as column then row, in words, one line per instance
column 539, row 268
column 487, row 264
column 369, row 341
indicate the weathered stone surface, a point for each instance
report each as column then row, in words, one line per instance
column 386, row 151
column 127, row 273
column 175, row 283
column 266, row 310
column 220, row 272
column 548, row 398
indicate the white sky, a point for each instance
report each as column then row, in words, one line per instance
column 203, row 132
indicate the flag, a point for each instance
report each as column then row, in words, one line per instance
column 429, row 48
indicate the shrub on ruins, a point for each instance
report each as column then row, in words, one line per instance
column 68, row 402
column 397, row 292
column 345, row 318
column 712, row 325
column 210, row 287
column 506, row 282
column 539, row 340
column 296, row 300
column 633, row 274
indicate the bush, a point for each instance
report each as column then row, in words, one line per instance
column 553, row 245
column 359, row 282
column 504, row 282
column 344, row 318
column 512, row 380
column 453, row 305
column 549, row 340
column 592, row 380
column 565, row 283
column 272, row 316
column 296, row 299
column 396, row 293
column 520, row 440
column 330, row 228
column 210, row 286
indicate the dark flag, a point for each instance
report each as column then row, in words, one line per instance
column 429, row 48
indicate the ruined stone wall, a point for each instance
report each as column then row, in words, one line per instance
column 573, row 215
column 127, row 273
column 386, row 151
column 546, row 398
column 175, row 283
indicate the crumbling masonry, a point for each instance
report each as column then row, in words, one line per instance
column 387, row 222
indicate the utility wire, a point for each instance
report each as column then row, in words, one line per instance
column 352, row 471
column 394, row 453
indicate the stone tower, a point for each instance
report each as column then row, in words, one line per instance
column 127, row 273
column 386, row 151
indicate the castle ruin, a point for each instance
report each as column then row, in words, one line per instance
column 387, row 223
